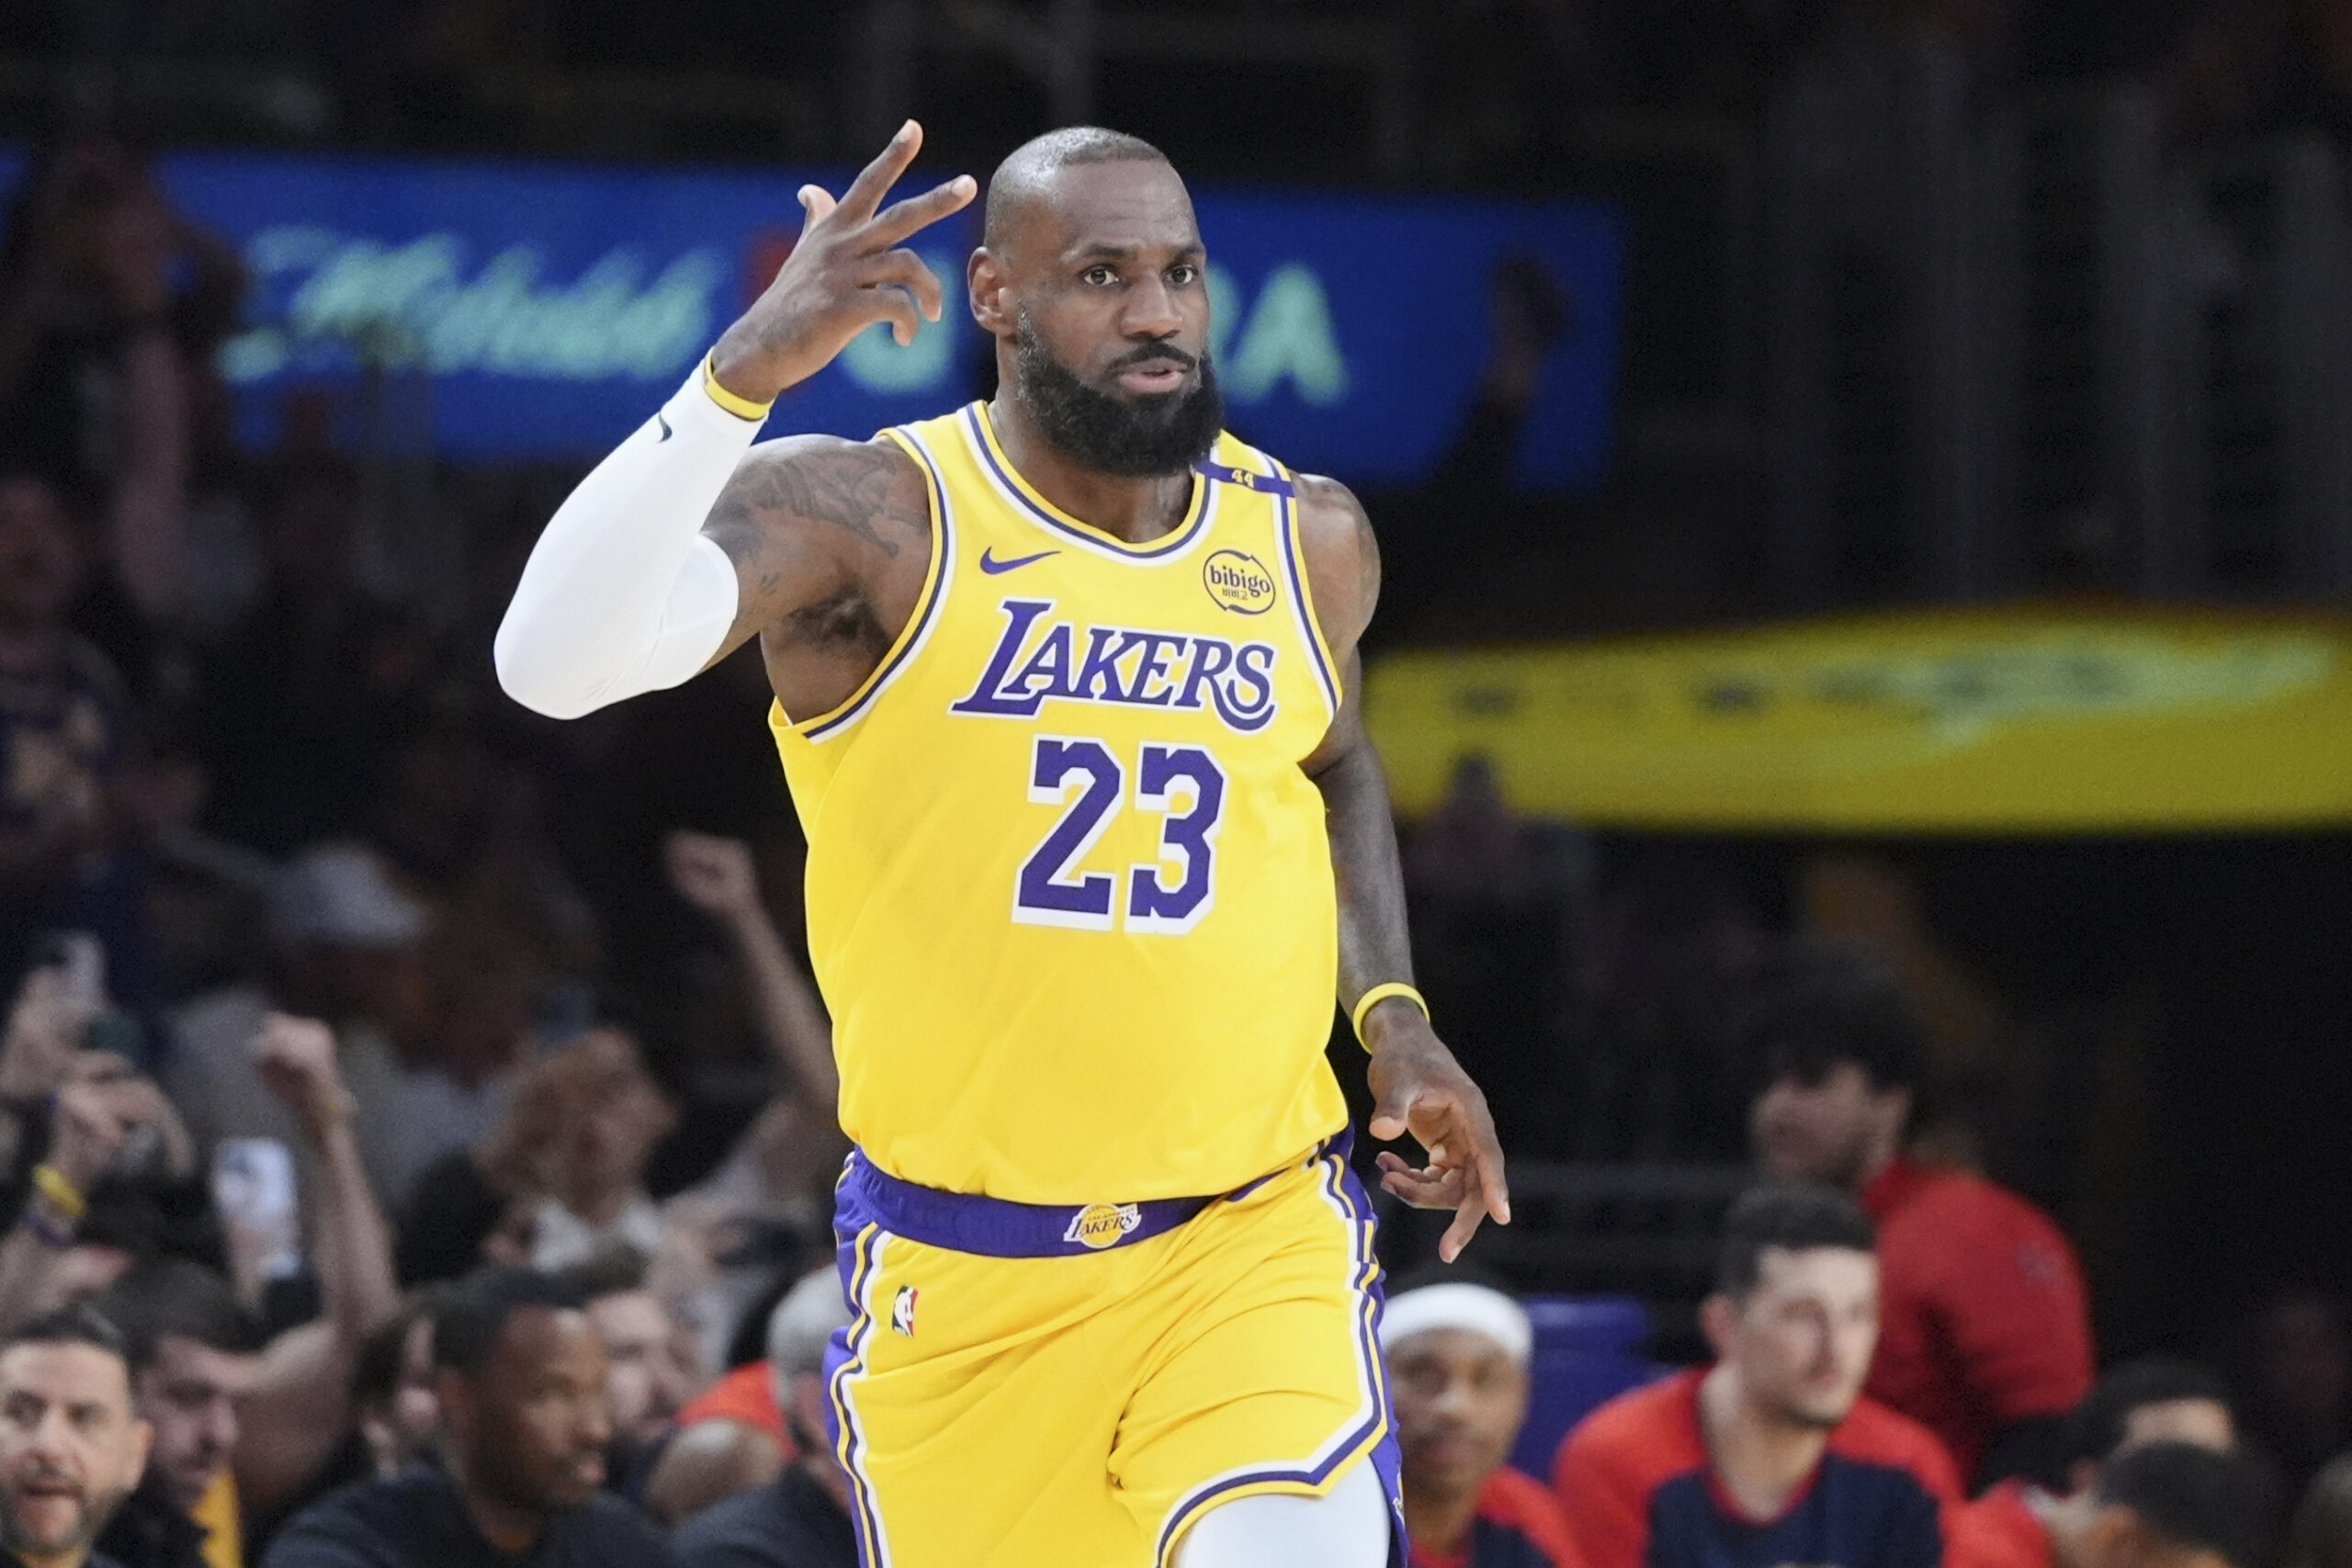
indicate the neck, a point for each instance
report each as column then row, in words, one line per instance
column 1137, row 511
column 1439, row 1522
column 1761, row 1459
column 1875, row 1160
column 512, row 1530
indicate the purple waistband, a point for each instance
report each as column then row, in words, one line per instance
column 997, row 1227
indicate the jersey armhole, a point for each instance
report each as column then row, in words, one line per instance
column 925, row 616
column 1310, row 626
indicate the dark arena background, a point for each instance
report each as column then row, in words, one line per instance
column 1871, row 474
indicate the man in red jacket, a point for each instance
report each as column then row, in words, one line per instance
column 1771, row 1457
column 1984, row 1324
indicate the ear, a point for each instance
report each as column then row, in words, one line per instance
column 1718, row 1314
column 989, row 290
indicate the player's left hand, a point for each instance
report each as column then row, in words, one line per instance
column 1420, row 1088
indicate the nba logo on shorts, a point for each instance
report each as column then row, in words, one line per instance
column 902, row 1311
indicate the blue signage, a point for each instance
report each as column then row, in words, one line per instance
column 546, row 309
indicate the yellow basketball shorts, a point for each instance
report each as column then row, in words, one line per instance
column 1027, row 1386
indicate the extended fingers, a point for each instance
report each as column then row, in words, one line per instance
column 875, row 179
column 904, row 217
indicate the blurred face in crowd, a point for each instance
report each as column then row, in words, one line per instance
column 189, row 1394
column 1460, row 1400
column 399, row 1430
column 41, row 561
column 1837, row 1129
column 71, row 1448
column 648, row 1380
column 1800, row 1341
column 622, row 1115
column 528, row 1428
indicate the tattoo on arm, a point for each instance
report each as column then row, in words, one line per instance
column 783, row 565
column 850, row 487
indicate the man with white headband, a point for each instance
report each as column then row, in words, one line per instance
column 1457, row 1358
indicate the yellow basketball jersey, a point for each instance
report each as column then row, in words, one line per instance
column 1071, row 897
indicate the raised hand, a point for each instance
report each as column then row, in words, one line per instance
column 296, row 1060
column 848, row 271
column 715, row 875
column 1420, row 1088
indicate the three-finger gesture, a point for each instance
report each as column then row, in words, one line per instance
column 849, row 269
column 1421, row 1090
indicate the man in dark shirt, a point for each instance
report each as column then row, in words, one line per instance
column 801, row 1518
column 1772, row 1456
column 520, row 1376
column 71, row 1446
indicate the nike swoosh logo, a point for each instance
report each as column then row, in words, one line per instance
column 993, row 567
column 665, row 427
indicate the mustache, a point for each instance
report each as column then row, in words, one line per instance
column 1155, row 354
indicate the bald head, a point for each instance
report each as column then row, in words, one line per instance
column 1028, row 174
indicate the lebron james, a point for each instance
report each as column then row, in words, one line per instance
column 1068, row 696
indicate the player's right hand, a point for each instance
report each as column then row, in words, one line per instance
column 849, row 270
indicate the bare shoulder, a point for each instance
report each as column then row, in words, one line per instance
column 870, row 490
column 1342, row 556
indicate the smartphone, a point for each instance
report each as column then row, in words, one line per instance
column 253, row 1186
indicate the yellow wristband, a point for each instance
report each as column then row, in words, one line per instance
column 58, row 1190
column 742, row 408
column 1379, row 994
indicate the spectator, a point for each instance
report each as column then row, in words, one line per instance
column 71, row 1446
column 348, row 946
column 2153, row 1400
column 1773, row 1455
column 801, row 1520
column 2168, row 1505
column 520, row 1377
column 242, row 1426
column 560, row 1176
column 63, row 749
column 732, row 1437
column 649, row 1379
column 2297, row 1390
column 1457, row 1358
column 195, row 1354
column 1986, row 1337
column 392, row 1389
column 91, row 1204
column 302, row 692
column 2137, row 1405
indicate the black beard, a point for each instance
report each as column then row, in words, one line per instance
column 1165, row 432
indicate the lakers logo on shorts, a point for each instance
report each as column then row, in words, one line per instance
column 1238, row 582
column 1099, row 1226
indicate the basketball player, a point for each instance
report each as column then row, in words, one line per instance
column 1068, row 696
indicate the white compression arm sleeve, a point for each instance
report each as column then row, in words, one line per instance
column 622, row 593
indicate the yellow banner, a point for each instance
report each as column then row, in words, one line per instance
column 2018, row 721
